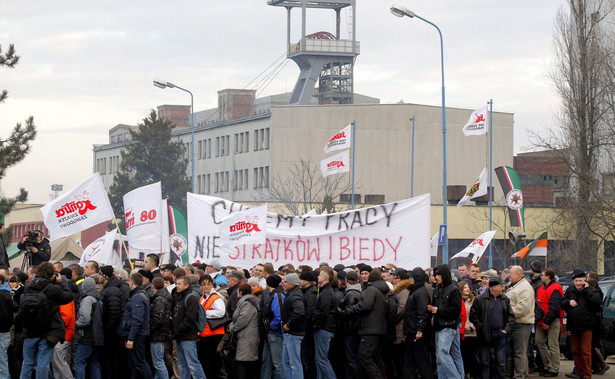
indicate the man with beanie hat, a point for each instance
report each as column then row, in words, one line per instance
column 308, row 347
column 365, row 271
column 89, row 331
column 417, row 325
column 447, row 317
column 581, row 301
column 293, row 325
column 493, row 318
column 271, row 330
column 113, row 298
column 534, row 277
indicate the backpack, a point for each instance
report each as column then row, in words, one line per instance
column 268, row 315
column 201, row 321
column 36, row 311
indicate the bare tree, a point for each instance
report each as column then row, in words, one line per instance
column 583, row 77
column 303, row 188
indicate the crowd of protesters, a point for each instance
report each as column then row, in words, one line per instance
column 205, row 320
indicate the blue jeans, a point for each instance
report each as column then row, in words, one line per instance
column 272, row 357
column 448, row 354
column 86, row 357
column 291, row 356
column 498, row 342
column 188, row 360
column 157, row 350
column 36, row 351
column 322, row 340
column 5, row 341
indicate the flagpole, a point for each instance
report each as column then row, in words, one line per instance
column 354, row 139
column 412, row 164
column 490, row 176
column 117, row 226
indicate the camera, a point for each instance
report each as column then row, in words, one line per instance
column 30, row 240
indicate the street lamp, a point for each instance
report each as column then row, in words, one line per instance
column 57, row 188
column 164, row 84
column 401, row 11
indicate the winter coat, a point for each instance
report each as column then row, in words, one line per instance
column 470, row 328
column 293, row 312
column 4, row 257
column 309, row 297
column 89, row 324
column 245, row 327
column 43, row 254
column 401, row 289
column 522, row 301
column 6, row 308
column 372, row 309
column 480, row 315
column 231, row 303
column 417, row 318
column 185, row 316
column 160, row 317
column 67, row 311
column 582, row 317
column 57, row 294
column 350, row 322
column 113, row 304
column 447, row 298
column 325, row 309
column 135, row 321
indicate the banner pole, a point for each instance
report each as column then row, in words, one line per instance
column 354, row 139
column 123, row 244
column 412, row 164
column 490, row 176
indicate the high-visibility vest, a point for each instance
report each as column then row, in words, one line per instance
column 207, row 332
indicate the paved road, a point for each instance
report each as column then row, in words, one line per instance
column 567, row 366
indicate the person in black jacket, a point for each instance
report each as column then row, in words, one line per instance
column 293, row 326
column 417, row 327
column 350, row 325
column 4, row 257
column 324, row 322
column 493, row 318
column 581, row 302
column 372, row 311
column 446, row 310
column 41, row 250
column 308, row 347
column 159, row 327
column 89, row 332
column 6, row 321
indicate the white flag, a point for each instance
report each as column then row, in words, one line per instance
column 335, row 164
column 341, row 140
column 166, row 238
column 479, row 188
column 144, row 220
column 477, row 247
column 477, row 124
column 434, row 245
column 82, row 207
column 244, row 227
column 101, row 251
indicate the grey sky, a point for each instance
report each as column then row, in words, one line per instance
column 87, row 66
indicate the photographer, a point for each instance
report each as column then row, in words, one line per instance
column 36, row 246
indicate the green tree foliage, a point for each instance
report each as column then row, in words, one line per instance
column 150, row 157
column 16, row 146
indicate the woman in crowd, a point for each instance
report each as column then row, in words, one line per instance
column 469, row 344
column 245, row 328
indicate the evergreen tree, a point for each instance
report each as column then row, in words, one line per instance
column 150, row 157
column 16, row 146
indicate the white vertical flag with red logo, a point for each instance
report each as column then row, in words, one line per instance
column 82, row 207
column 341, row 140
column 476, row 247
column 244, row 227
column 101, row 251
column 477, row 124
column 144, row 220
column 335, row 164
column 479, row 188
column 434, row 245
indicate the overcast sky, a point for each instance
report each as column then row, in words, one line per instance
column 88, row 66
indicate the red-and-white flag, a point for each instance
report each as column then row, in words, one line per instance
column 82, row 207
column 101, row 251
column 479, row 188
column 335, row 164
column 434, row 245
column 477, row 124
column 145, row 220
column 244, row 227
column 476, row 247
column 341, row 140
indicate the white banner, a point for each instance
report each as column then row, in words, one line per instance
column 244, row 227
column 82, row 207
column 335, row 164
column 476, row 247
column 101, row 251
column 477, row 123
column 390, row 233
column 165, row 254
column 341, row 140
column 144, row 221
column 479, row 188
column 434, row 245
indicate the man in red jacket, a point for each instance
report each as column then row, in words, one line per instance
column 548, row 297
column 61, row 360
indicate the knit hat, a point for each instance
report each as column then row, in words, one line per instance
column 273, row 281
column 253, row 281
column 323, row 264
column 67, row 272
column 494, row 281
column 367, row 268
column 578, row 273
column 308, row 276
column 106, row 271
column 88, row 284
column 292, row 278
column 237, row 275
column 536, row 266
column 147, row 274
column 352, row 275
column 339, row 267
column 341, row 276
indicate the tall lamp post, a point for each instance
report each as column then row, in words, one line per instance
column 57, row 188
column 163, row 84
column 401, row 11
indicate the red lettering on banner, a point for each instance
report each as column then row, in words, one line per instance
column 315, row 251
column 287, row 250
column 230, row 255
column 396, row 246
column 376, row 240
column 300, row 257
column 361, row 247
column 268, row 249
column 337, row 136
column 344, row 246
column 255, row 251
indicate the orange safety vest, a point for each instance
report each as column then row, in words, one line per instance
column 207, row 332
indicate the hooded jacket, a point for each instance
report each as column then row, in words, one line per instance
column 417, row 318
column 447, row 298
column 89, row 324
column 309, row 298
column 245, row 325
column 135, row 320
column 185, row 316
column 402, row 292
column 325, row 309
column 372, row 309
column 113, row 304
column 160, row 317
column 57, row 294
column 293, row 312
column 352, row 296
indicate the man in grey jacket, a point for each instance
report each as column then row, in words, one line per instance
column 522, row 302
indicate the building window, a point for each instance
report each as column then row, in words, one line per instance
column 236, row 143
column 217, row 187
column 235, row 178
column 256, row 144
column 200, row 149
column 266, row 139
column 208, row 184
column 217, row 146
